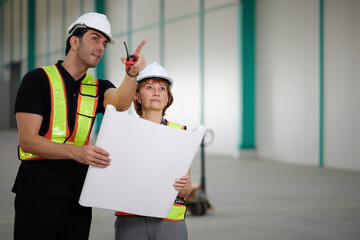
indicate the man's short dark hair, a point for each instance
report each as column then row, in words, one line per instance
column 77, row 33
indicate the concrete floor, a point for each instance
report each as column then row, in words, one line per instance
column 253, row 200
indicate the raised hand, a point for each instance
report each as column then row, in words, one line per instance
column 140, row 63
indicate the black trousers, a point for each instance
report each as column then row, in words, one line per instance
column 50, row 219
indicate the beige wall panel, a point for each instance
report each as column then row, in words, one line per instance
column 72, row 11
column 216, row 3
column 39, row 62
column 40, row 29
column 287, row 81
column 182, row 62
column 56, row 27
column 175, row 9
column 56, row 56
column 89, row 5
column 341, row 84
column 24, row 39
column 117, row 15
column 114, row 66
column 222, row 80
column 6, row 37
column 151, row 50
column 16, row 31
column 145, row 12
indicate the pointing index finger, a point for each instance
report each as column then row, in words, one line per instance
column 141, row 45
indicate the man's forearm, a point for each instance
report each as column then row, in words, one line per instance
column 125, row 93
column 45, row 148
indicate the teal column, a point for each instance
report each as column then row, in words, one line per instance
column 100, row 68
column 248, row 75
column 31, row 34
column 240, row 71
column 321, row 108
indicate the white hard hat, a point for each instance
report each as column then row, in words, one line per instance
column 95, row 21
column 154, row 71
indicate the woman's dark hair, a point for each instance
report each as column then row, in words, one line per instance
column 79, row 33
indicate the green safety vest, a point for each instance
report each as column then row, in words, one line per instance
column 177, row 211
column 86, row 110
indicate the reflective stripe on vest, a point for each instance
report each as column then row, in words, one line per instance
column 86, row 110
column 177, row 212
column 175, row 125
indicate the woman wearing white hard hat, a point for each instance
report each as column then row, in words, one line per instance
column 55, row 110
column 153, row 96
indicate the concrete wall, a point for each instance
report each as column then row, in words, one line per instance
column 179, row 51
column 288, row 71
column 342, row 84
column 288, row 82
column 182, row 59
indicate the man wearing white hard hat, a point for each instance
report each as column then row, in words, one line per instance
column 55, row 110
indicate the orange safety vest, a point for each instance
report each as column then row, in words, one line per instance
column 86, row 110
column 177, row 211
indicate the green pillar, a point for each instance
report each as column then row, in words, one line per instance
column 100, row 68
column 248, row 74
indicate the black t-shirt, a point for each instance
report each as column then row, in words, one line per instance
column 51, row 178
